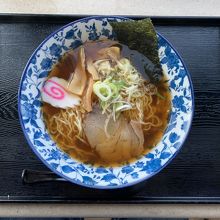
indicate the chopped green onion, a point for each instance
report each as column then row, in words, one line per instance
column 160, row 96
column 123, row 107
column 102, row 90
column 120, row 84
column 114, row 89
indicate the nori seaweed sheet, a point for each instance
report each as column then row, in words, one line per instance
column 139, row 35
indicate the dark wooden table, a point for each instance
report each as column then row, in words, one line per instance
column 192, row 177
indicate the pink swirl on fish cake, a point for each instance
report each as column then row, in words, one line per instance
column 54, row 90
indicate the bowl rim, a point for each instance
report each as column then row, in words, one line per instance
column 61, row 174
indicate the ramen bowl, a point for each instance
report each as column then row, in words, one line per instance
column 29, row 105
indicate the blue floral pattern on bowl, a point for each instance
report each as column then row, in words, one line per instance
column 29, row 103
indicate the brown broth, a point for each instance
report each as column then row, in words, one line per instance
column 65, row 67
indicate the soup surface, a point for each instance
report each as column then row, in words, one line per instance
column 136, row 119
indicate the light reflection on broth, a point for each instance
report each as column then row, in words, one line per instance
column 79, row 144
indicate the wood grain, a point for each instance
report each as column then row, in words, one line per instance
column 195, row 172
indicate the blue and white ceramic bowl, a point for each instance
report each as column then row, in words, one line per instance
column 29, row 104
